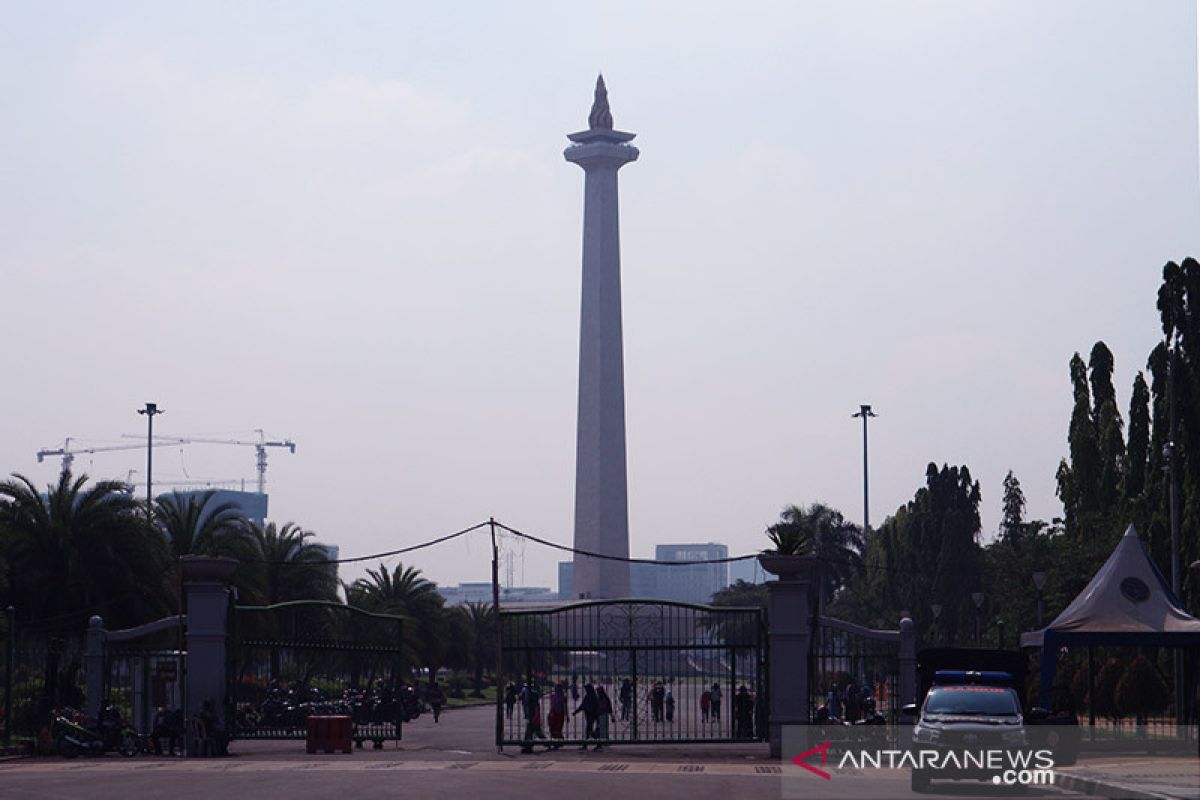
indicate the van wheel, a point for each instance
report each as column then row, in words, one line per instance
column 920, row 781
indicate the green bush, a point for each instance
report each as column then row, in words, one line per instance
column 1141, row 691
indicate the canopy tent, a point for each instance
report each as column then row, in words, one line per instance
column 1127, row 603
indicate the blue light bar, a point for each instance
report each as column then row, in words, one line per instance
column 960, row 676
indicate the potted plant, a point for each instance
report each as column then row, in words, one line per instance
column 790, row 556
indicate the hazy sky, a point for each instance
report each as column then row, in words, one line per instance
column 351, row 224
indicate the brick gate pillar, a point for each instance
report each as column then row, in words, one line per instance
column 94, row 667
column 908, row 662
column 206, row 584
column 791, row 606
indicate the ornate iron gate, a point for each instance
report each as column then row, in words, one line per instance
column 310, row 657
column 855, row 672
column 143, row 669
column 673, row 673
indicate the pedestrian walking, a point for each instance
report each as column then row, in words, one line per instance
column 604, row 711
column 670, row 706
column 510, row 699
column 558, row 713
column 835, row 703
column 715, row 702
column 626, row 697
column 437, row 699
column 743, row 714
column 533, row 716
column 590, row 706
column 705, row 704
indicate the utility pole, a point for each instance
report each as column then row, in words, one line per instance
column 499, row 637
column 866, row 413
column 151, row 411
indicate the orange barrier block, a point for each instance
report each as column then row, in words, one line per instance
column 338, row 734
column 315, row 735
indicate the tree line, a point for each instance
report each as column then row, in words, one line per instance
column 82, row 548
column 929, row 560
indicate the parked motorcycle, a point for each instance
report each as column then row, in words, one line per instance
column 72, row 738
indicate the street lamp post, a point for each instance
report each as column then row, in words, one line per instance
column 866, row 413
column 1194, row 568
column 151, row 411
column 1039, row 583
column 977, row 599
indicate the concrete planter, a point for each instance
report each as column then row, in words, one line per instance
column 788, row 568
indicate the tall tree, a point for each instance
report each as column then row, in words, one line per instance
column 1109, row 428
column 926, row 553
column 80, row 550
column 1179, row 311
column 1012, row 525
column 288, row 565
column 1078, row 479
column 405, row 591
column 481, row 619
column 1138, row 452
column 196, row 525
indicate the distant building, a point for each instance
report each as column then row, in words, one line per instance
column 251, row 505
column 482, row 593
column 748, row 570
column 694, row 583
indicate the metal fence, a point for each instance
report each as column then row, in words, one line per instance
column 292, row 660
column 142, row 669
column 41, row 671
column 672, row 672
column 855, row 673
column 1129, row 696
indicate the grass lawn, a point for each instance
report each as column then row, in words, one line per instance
column 489, row 698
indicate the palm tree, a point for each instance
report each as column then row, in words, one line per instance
column 194, row 525
column 481, row 618
column 401, row 591
column 283, row 564
column 79, row 550
column 821, row 531
column 406, row 592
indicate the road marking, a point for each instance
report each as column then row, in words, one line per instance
column 347, row 765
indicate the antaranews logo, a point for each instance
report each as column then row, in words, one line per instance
column 876, row 758
column 823, row 750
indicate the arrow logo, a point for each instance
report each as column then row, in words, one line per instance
column 823, row 749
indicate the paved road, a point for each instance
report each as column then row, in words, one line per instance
column 453, row 760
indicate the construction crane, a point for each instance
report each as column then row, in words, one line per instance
column 260, row 447
column 68, row 453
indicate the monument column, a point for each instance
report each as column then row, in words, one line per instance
column 601, row 495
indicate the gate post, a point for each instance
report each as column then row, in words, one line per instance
column 908, row 662
column 94, row 667
column 206, row 582
column 790, row 611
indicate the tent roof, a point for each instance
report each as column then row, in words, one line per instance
column 1126, row 598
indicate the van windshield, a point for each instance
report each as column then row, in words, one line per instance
column 990, row 701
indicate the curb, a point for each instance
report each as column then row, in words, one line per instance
column 1095, row 788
